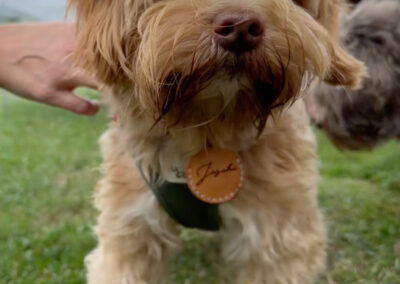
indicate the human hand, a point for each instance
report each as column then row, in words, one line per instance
column 36, row 63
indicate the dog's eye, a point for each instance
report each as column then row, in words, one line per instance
column 299, row 2
column 378, row 39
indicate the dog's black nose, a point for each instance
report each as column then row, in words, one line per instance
column 238, row 33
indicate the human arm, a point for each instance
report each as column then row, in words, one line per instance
column 36, row 63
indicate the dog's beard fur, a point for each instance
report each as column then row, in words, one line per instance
column 358, row 119
column 162, row 63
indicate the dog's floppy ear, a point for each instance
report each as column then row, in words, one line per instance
column 324, row 11
column 345, row 69
column 101, row 41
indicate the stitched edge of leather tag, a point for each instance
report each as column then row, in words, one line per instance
column 215, row 175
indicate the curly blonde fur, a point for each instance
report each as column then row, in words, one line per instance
column 176, row 92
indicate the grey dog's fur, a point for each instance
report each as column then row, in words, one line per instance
column 362, row 118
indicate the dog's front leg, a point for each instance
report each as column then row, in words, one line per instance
column 270, row 246
column 132, row 249
column 135, row 235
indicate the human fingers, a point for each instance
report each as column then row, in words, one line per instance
column 70, row 101
column 81, row 79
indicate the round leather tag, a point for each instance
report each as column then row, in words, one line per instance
column 215, row 175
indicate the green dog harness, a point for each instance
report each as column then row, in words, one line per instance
column 182, row 206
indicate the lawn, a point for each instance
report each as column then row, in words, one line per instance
column 49, row 165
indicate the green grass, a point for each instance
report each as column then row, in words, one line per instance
column 48, row 167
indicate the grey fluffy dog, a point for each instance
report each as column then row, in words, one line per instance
column 359, row 119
